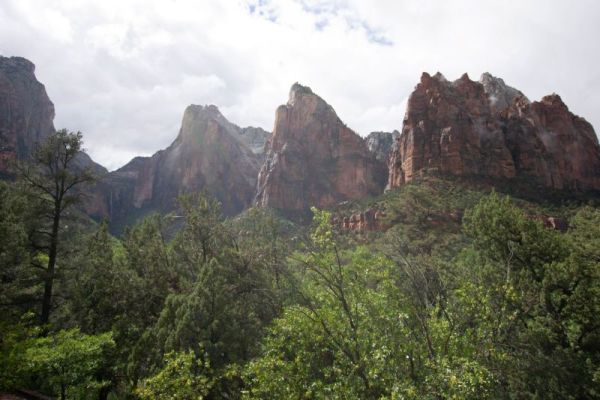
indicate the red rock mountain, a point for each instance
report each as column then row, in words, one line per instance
column 210, row 154
column 314, row 159
column 26, row 114
column 491, row 130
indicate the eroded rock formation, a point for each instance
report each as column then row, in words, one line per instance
column 26, row 112
column 491, row 130
column 26, row 115
column 370, row 220
column 314, row 159
column 381, row 143
column 210, row 154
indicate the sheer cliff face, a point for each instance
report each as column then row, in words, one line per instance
column 26, row 112
column 491, row 130
column 26, row 115
column 314, row 159
column 210, row 154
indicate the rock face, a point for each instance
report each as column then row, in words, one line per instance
column 381, row 143
column 26, row 115
column 370, row 220
column 210, row 154
column 26, row 112
column 254, row 138
column 314, row 159
column 491, row 130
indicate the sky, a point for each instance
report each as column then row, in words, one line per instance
column 123, row 71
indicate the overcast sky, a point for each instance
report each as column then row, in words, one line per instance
column 123, row 71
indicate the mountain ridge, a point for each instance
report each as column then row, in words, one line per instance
column 483, row 130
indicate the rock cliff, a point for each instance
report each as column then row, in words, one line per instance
column 314, row 159
column 381, row 143
column 26, row 115
column 210, row 154
column 26, row 112
column 491, row 130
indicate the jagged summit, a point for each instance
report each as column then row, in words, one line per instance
column 296, row 91
column 197, row 118
column 500, row 95
column 17, row 63
column 492, row 131
column 440, row 77
column 314, row 159
column 381, row 143
column 208, row 109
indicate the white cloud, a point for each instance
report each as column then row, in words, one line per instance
column 123, row 71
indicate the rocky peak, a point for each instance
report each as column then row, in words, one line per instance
column 26, row 112
column 17, row 64
column 500, row 95
column 380, row 144
column 490, row 130
column 209, row 154
column 296, row 91
column 314, row 159
column 198, row 120
column 255, row 138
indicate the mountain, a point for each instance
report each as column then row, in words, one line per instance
column 210, row 154
column 314, row 159
column 381, row 143
column 483, row 129
column 26, row 114
column 489, row 130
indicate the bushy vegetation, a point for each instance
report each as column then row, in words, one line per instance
column 496, row 307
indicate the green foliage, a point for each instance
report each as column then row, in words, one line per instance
column 15, row 338
column 539, row 291
column 228, row 298
column 68, row 362
column 17, row 293
column 342, row 339
column 51, row 180
column 184, row 377
column 258, row 308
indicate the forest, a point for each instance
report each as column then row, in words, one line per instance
column 192, row 305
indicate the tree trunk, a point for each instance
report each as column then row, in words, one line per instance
column 49, row 278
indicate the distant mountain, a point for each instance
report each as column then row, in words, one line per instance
column 210, row 154
column 489, row 130
column 381, row 144
column 314, row 159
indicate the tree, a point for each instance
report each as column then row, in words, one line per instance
column 221, row 309
column 15, row 254
column 52, row 179
column 532, row 294
column 184, row 377
column 345, row 337
column 70, row 360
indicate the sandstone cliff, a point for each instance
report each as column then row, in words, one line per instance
column 26, row 115
column 210, row 154
column 314, row 159
column 491, row 130
column 26, row 112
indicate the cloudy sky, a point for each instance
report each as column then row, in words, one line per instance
column 123, row 71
